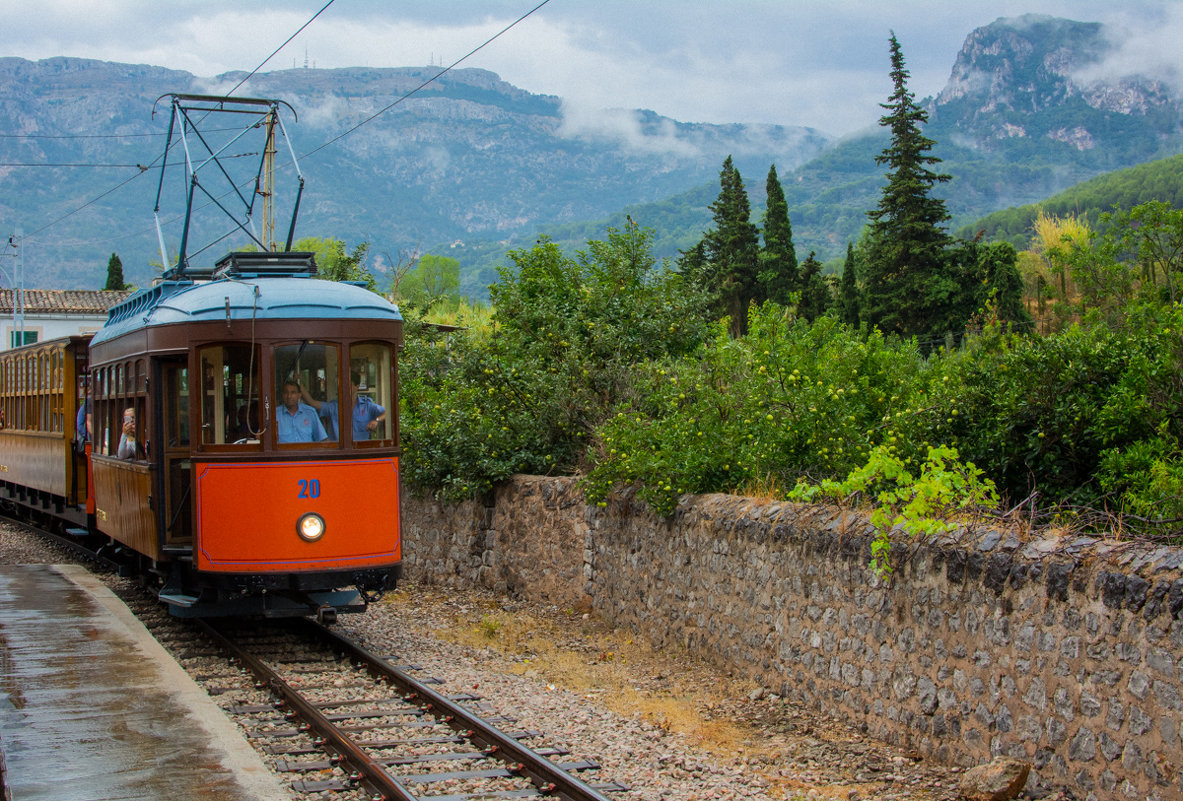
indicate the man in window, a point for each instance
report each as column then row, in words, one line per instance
column 366, row 413
column 296, row 421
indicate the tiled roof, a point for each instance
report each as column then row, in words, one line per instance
column 63, row 301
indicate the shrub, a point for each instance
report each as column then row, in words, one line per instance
column 524, row 396
column 787, row 399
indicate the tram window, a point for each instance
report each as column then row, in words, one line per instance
column 101, row 422
column 372, row 410
column 230, row 395
column 131, row 428
column 307, row 387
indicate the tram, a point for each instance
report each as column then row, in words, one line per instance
column 230, row 432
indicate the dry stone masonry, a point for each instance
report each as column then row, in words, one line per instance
column 1062, row 651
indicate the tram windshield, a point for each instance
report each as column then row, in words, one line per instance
column 307, row 377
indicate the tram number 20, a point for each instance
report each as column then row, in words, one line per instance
column 309, row 488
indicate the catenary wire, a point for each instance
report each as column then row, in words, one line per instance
column 429, row 81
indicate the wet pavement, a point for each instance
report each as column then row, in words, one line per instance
column 93, row 709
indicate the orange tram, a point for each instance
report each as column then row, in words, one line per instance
column 232, row 435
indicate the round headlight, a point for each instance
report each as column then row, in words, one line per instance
column 311, row 527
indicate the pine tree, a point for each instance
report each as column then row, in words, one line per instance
column 991, row 282
column 815, row 292
column 848, row 299
column 907, row 286
column 115, row 273
column 778, row 261
column 732, row 249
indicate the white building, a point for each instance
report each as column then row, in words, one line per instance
column 54, row 313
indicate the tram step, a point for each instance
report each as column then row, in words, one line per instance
column 77, row 532
column 178, row 599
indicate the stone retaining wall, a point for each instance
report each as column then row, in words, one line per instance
column 1065, row 652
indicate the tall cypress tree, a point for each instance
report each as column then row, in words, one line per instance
column 907, row 287
column 732, row 248
column 115, row 273
column 848, row 299
column 778, row 261
column 815, row 292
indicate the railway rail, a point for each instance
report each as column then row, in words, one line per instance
column 374, row 726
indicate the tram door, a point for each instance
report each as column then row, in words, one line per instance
column 176, row 470
column 83, row 425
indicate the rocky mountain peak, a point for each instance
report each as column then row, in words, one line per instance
column 1023, row 76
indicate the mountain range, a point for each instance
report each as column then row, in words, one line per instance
column 468, row 165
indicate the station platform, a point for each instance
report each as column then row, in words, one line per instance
column 93, row 709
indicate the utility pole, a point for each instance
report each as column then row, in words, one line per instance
column 269, row 183
column 17, row 337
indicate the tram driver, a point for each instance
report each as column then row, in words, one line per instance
column 297, row 421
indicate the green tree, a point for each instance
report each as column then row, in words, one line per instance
column 815, row 292
column 1153, row 233
column 848, row 296
column 115, row 273
column 994, row 273
column 908, row 287
column 778, row 259
column 434, row 281
column 334, row 264
column 729, row 263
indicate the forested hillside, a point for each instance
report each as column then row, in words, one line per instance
column 467, row 157
column 1160, row 180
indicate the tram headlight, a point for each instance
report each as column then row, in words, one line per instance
column 310, row 527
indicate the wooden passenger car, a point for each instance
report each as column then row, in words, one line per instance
column 41, row 449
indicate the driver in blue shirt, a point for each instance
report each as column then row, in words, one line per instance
column 366, row 413
column 296, row 421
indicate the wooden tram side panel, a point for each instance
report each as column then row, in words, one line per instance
column 122, row 490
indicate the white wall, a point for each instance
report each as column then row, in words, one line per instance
column 52, row 327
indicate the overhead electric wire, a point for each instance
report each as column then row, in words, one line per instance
column 77, row 136
column 238, row 85
column 140, row 167
column 96, row 136
column 429, row 81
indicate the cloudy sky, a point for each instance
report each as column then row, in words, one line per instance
column 821, row 63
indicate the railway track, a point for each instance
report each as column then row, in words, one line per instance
column 345, row 719
column 344, row 722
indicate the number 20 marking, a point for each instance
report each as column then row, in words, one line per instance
column 309, row 488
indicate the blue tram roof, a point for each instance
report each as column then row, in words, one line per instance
column 278, row 297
